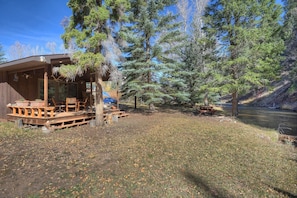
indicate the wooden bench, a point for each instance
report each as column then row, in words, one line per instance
column 206, row 110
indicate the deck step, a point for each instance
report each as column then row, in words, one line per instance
column 69, row 125
column 124, row 115
column 69, row 121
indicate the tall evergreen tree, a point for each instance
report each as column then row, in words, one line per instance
column 250, row 43
column 172, row 42
column 152, row 39
column 290, row 25
column 196, row 53
column 92, row 22
column 290, row 32
column 2, row 58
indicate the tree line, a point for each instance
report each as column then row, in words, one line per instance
column 180, row 52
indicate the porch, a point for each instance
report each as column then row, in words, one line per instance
column 33, row 78
column 52, row 120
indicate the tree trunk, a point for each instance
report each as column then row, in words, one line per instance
column 152, row 107
column 234, row 104
column 118, row 97
column 206, row 99
column 99, row 98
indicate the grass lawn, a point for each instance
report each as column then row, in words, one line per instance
column 166, row 154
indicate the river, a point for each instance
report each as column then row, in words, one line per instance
column 265, row 117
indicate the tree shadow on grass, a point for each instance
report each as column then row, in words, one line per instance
column 201, row 183
column 283, row 192
column 293, row 159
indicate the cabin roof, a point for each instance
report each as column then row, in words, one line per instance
column 34, row 61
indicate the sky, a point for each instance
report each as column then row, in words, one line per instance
column 32, row 23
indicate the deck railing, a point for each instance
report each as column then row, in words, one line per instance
column 33, row 112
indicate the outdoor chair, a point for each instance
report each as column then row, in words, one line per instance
column 71, row 103
column 58, row 107
column 82, row 105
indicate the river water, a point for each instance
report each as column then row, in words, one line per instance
column 265, row 117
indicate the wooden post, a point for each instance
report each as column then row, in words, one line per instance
column 45, row 88
column 91, row 94
column 118, row 102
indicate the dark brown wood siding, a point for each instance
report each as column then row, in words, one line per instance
column 17, row 85
column 4, row 95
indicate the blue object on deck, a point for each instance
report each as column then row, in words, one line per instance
column 109, row 100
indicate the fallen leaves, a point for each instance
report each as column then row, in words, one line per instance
column 144, row 155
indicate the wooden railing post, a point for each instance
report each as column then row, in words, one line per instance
column 45, row 88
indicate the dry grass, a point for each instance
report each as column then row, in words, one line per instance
column 157, row 155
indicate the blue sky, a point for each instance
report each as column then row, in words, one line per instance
column 32, row 22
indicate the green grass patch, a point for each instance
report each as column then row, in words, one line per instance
column 9, row 130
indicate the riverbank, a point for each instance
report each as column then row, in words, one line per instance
column 265, row 117
column 165, row 154
column 280, row 96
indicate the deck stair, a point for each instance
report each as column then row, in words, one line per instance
column 119, row 113
column 64, row 121
column 67, row 121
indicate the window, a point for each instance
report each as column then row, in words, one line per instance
column 59, row 90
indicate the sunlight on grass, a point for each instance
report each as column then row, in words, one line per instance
column 8, row 129
column 183, row 157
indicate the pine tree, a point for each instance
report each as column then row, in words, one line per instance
column 197, row 52
column 91, row 24
column 172, row 42
column 290, row 32
column 290, row 25
column 248, row 34
column 2, row 54
column 152, row 40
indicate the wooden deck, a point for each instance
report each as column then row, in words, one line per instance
column 46, row 116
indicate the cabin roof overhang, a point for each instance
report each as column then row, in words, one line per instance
column 32, row 62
